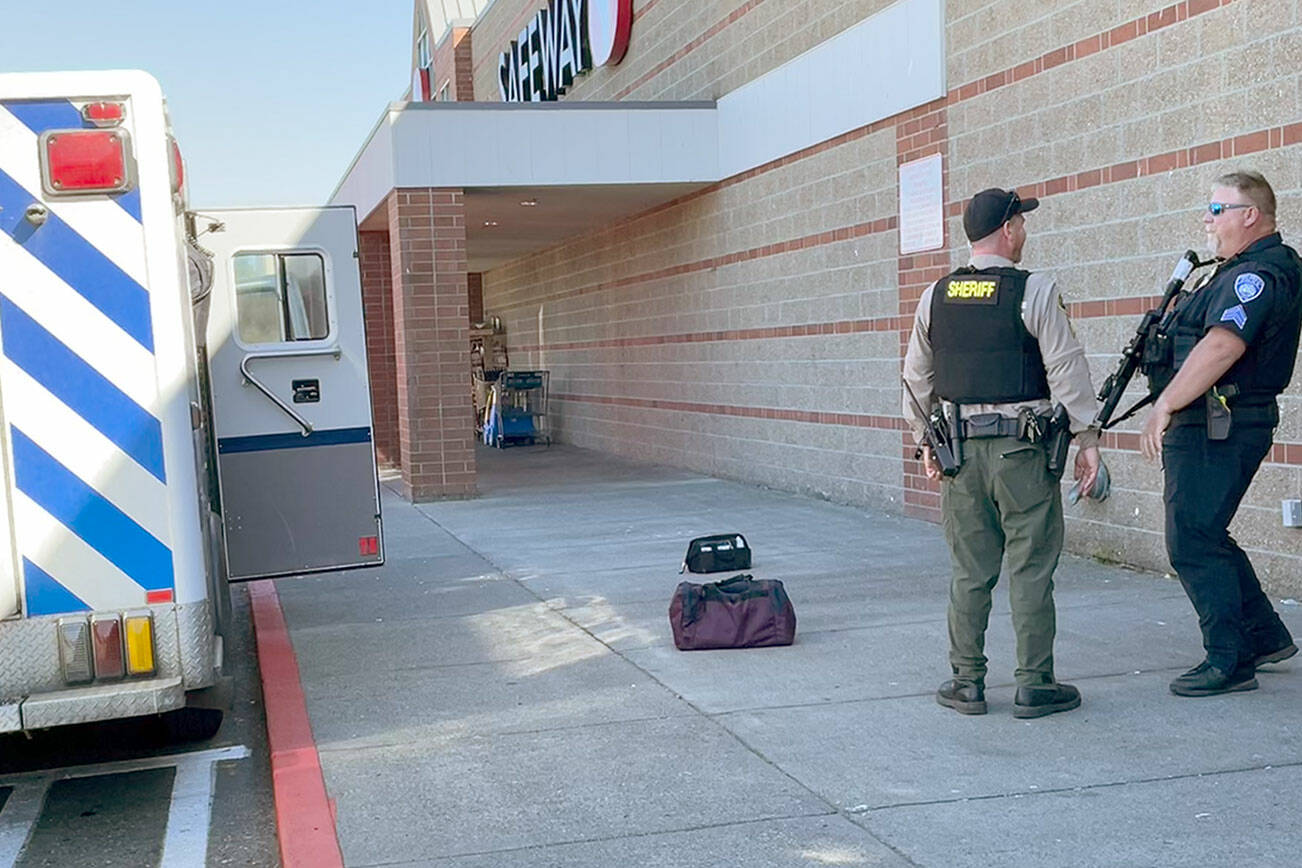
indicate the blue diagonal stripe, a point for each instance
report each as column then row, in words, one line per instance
column 86, row 391
column 39, row 115
column 85, row 512
column 59, row 114
column 130, row 202
column 79, row 263
column 45, row 596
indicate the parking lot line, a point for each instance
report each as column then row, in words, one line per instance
column 186, row 840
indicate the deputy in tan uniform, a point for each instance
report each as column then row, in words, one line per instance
column 994, row 346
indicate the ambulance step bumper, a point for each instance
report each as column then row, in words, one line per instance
column 100, row 702
column 10, row 719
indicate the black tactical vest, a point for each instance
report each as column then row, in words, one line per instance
column 982, row 350
column 1266, row 367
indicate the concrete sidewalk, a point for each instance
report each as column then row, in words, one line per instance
column 505, row 692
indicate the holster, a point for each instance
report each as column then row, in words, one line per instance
column 1219, row 418
column 1059, row 440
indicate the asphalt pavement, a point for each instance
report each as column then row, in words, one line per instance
column 505, row 692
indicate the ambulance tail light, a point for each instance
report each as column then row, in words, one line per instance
column 104, row 114
column 85, row 161
column 139, row 644
column 74, row 650
column 178, row 165
column 106, row 640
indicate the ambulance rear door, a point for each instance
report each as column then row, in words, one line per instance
column 291, row 402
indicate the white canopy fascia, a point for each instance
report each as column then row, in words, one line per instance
column 468, row 145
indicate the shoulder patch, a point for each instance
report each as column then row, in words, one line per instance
column 1071, row 327
column 1236, row 315
column 1248, row 286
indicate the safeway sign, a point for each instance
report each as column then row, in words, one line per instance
column 562, row 42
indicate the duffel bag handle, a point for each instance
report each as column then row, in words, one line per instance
column 740, row 577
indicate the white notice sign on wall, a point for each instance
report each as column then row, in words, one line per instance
column 922, row 205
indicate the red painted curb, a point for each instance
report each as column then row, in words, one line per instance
column 304, row 821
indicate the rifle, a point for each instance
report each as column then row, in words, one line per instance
column 937, row 436
column 1153, row 326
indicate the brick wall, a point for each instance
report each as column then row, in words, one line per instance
column 463, row 86
column 452, row 66
column 682, row 49
column 749, row 330
column 1119, row 119
column 377, row 305
column 475, row 296
column 427, row 240
column 755, row 329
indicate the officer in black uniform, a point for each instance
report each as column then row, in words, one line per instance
column 1233, row 346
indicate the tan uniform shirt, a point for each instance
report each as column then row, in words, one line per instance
column 1045, row 317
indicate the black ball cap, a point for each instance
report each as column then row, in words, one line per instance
column 992, row 208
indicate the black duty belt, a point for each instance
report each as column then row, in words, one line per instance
column 988, row 425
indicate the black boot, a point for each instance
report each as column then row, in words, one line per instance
column 965, row 697
column 1207, row 680
column 1042, row 699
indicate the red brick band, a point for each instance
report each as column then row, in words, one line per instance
column 1122, row 441
column 1133, row 29
column 812, row 417
column 687, row 49
column 1134, row 306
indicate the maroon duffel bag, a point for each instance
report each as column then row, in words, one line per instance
column 740, row 612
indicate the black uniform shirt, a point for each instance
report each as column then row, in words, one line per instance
column 1254, row 295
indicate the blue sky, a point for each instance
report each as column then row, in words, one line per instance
column 270, row 100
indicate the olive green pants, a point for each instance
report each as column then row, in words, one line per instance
column 1003, row 504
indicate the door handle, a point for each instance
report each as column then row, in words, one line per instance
column 249, row 379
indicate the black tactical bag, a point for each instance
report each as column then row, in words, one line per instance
column 724, row 552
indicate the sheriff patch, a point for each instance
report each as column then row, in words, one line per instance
column 1236, row 315
column 1248, row 286
column 973, row 290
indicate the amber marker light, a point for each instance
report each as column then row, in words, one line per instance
column 140, row 644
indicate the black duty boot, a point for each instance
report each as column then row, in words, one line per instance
column 965, row 697
column 1207, row 680
column 1042, row 699
column 1279, row 655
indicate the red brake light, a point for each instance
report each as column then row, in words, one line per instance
column 85, row 161
column 103, row 114
column 106, row 640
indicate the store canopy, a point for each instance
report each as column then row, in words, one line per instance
column 589, row 164
column 535, row 174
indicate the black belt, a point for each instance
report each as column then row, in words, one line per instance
column 987, row 425
column 1252, row 414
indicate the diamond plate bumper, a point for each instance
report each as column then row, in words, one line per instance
column 10, row 720
column 101, row 702
column 184, row 644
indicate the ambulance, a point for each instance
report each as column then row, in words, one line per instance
column 184, row 403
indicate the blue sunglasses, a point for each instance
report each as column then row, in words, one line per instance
column 1216, row 209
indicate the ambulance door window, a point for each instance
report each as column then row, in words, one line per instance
column 280, row 297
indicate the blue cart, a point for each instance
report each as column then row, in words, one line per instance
column 517, row 410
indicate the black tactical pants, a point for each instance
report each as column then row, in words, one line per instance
column 1205, row 481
